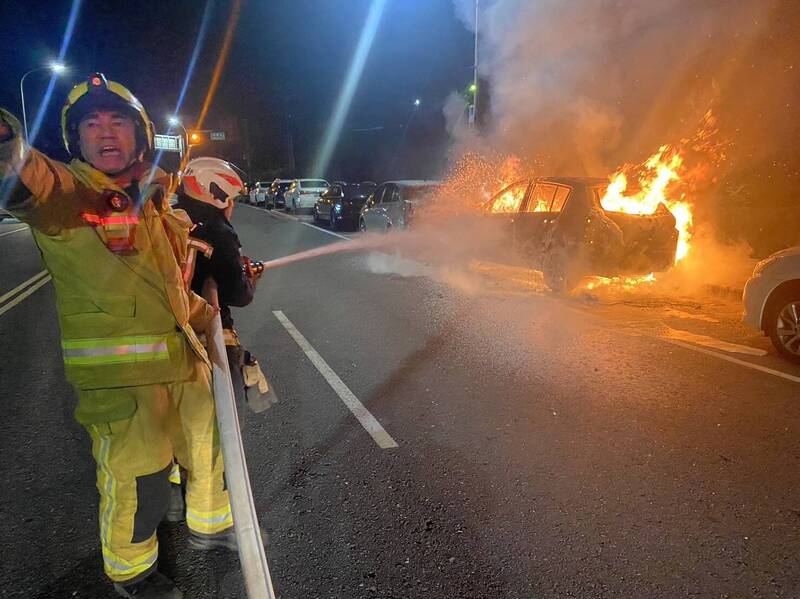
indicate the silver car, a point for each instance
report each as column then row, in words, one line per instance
column 772, row 301
column 392, row 205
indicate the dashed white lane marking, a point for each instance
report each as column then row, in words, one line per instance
column 14, row 231
column 689, row 315
column 37, row 281
column 705, row 340
column 367, row 420
column 710, row 352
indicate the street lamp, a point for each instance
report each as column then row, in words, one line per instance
column 417, row 102
column 474, row 87
column 174, row 121
column 57, row 68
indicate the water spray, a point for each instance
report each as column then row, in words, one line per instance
column 367, row 242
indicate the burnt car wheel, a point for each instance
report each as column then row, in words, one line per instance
column 559, row 274
column 782, row 322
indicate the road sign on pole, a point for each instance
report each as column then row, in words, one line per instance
column 168, row 143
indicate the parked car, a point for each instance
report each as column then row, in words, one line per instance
column 772, row 301
column 275, row 194
column 4, row 215
column 392, row 204
column 303, row 193
column 558, row 226
column 340, row 205
column 258, row 193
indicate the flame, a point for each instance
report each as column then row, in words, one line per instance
column 509, row 201
column 512, row 171
column 622, row 282
column 656, row 174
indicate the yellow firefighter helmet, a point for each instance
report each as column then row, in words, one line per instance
column 99, row 93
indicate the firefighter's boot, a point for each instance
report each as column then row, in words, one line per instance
column 155, row 586
column 260, row 395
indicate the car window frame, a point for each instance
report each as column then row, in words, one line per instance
column 528, row 183
column 569, row 189
column 394, row 190
column 376, row 196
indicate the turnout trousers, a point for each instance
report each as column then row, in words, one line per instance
column 134, row 459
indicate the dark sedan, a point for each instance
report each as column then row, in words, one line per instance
column 341, row 204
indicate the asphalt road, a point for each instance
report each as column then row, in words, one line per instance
column 545, row 447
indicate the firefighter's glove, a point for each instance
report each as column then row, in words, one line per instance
column 252, row 268
column 259, row 393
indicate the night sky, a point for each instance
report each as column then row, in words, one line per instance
column 284, row 72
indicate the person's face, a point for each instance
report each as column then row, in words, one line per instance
column 108, row 140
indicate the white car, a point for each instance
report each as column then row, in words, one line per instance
column 772, row 301
column 258, row 195
column 392, row 204
column 304, row 193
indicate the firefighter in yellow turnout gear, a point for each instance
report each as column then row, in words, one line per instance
column 114, row 250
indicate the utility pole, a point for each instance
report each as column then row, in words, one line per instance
column 245, row 124
column 290, row 139
column 473, row 114
column 475, row 69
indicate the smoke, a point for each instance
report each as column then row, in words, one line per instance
column 583, row 87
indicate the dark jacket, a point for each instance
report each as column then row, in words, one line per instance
column 225, row 265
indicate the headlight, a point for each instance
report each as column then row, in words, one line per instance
column 337, row 208
column 761, row 266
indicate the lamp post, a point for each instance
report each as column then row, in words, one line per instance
column 473, row 116
column 56, row 68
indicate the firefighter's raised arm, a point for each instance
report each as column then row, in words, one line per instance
column 40, row 189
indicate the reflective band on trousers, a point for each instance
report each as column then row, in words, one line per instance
column 209, row 522
column 115, row 350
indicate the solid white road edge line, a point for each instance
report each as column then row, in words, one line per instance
column 14, row 231
column 367, row 420
column 5, row 308
column 294, row 218
column 702, row 350
column 22, row 286
column 326, row 231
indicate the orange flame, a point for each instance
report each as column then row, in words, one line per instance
column 622, row 282
column 656, row 174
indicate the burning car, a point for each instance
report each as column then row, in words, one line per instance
column 561, row 226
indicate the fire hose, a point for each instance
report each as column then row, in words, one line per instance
column 252, row 555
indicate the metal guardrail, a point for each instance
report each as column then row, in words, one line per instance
column 252, row 555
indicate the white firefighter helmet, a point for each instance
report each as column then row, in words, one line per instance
column 212, row 181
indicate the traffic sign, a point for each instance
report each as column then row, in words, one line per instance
column 168, row 143
column 217, row 136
